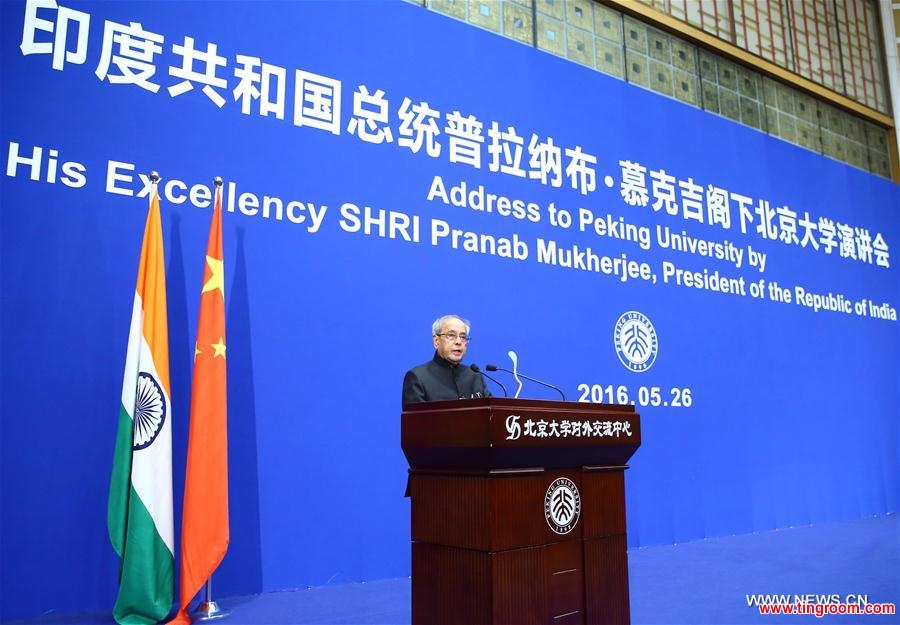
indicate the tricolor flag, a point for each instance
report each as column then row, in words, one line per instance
column 140, row 494
column 204, row 526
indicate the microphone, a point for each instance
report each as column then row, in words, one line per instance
column 477, row 369
column 522, row 375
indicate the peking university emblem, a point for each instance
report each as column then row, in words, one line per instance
column 562, row 505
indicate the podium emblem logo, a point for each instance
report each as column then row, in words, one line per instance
column 636, row 342
column 562, row 505
column 513, row 429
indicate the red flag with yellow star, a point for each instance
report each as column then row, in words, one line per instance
column 204, row 525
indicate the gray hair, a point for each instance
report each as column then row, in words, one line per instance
column 436, row 326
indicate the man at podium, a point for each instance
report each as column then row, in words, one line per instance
column 444, row 376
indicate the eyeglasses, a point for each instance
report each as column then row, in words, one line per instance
column 453, row 336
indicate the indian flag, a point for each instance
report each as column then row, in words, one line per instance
column 140, row 495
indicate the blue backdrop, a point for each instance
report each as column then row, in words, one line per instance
column 761, row 409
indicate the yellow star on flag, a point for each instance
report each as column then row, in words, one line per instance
column 197, row 351
column 219, row 347
column 217, row 276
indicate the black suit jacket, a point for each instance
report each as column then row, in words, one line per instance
column 437, row 379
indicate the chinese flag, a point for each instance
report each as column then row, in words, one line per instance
column 204, row 525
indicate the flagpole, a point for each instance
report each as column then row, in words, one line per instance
column 208, row 609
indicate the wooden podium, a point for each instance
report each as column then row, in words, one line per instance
column 518, row 511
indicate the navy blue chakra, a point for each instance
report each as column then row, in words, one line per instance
column 149, row 411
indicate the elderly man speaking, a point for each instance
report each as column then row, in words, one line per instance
column 444, row 377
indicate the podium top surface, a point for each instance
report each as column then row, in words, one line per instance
column 503, row 433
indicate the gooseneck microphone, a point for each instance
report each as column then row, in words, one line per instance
column 477, row 369
column 522, row 375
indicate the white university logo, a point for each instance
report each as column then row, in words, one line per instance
column 562, row 505
column 636, row 342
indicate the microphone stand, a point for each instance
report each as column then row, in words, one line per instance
column 477, row 369
column 522, row 375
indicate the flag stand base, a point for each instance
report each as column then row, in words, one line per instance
column 208, row 611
